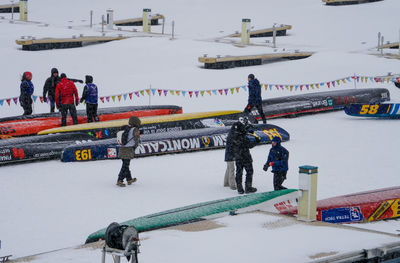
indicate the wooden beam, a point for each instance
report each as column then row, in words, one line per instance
column 252, row 57
column 66, row 40
column 138, row 21
column 266, row 31
column 8, row 8
column 394, row 45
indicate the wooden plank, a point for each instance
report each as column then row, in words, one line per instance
column 136, row 21
column 265, row 31
column 8, row 8
column 26, row 42
column 253, row 57
column 391, row 45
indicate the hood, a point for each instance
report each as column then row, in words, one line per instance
column 277, row 140
column 54, row 70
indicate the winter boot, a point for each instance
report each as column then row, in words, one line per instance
column 121, row 184
column 250, row 190
column 240, row 189
column 131, row 181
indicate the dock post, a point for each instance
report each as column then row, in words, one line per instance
column 146, row 20
column 379, row 40
column 102, row 23
column 382, row 39
column 274, row 35
column 110, row 18
column 307, row 207
column 246, row 31
column 91, row 18
column 23, row 10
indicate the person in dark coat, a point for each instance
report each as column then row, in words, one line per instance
column 90, row 96
column 129, row 141
column 49, row 88
column 278, row 158
column 229, row 179
column 66, row 97
column 241, row 149
column 255, row 99
column 26, row 92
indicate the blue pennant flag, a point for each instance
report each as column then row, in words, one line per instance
column 1, row 102
column 34, row 98
column 153, row 91
column 183, row 93
column 214, row 92
column 244, row 87
column 125, row 96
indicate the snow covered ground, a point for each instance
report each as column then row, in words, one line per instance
column 51, row 205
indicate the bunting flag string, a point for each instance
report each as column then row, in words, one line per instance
column 230, row 91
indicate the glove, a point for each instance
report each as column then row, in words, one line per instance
column 271, row 164
column 44, row 99
column 80, row 81
column 77, row 103
column 265, row 168
column 81, row 100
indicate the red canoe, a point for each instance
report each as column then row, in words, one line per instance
column 358, row 207
column 32, row 124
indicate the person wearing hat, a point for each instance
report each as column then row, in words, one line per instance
column 128, row 139
column 90, row 96
column 278, row 158
column 49, row 88
column 26, row 92
column 241, row 145
column 255, row 99
column 66, row 97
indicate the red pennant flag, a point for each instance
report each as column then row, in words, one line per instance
column 329, row 84
column 130, row 95
column 190, row 93
column 301, row 87
column 102, row 99
column 159, row 92
column 220, row 91
column 8, row 101
column 41, row 99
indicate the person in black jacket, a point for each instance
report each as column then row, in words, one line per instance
column 229, row 179
column 26, row 92
column 241, row 149
column 90, row 96
column 255, row 99
column 49, row 88
column 278, row 158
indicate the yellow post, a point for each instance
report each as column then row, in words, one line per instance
column 23, row 10
column 146, row 20
column 307, row 208
column 245, row 31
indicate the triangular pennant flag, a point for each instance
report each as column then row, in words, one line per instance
column 125, row 96
column 301, row 87
column 388, row 80
column 165, row 92
column 312, row 86
column 317, row 85
column 159, row 92
column 244, row 87
column 287, row 87
column 220, row 91
column 137, row 93
column 343, row 80
column 277, row 87
column 15, row 100
column 371, row 79
column 366, row 79
column 329, row 84
column 307, row 86
column 226, row 91
column 321, row 84
column 202, row 93
column 232, row 90
column 362, row 79
column 282, row 87
column 119, row 97
column 108, row 98
column 178, row 93
column 291, row 88
column 148, row 92
column 113, row 98
column 8, row 101
column 1, row 102
column 41, row 99
column 102, row 99
column 348, row 79
column 190, row 93
column 270, row 87
column 214, row 91
column 172, row 92
column 183, row 93
column 209, row 92
column 196, row 93
column 333, row 83
column 153, row 91
column 34, row 98
column 131, row 94
column 237, row 90
column 338, row 82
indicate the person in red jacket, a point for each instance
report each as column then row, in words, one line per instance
column 66, row 98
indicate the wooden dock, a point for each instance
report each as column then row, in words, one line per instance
column 8, row 8
column 267, row 32
column 394, row 45
column 57, row 43
column 347, row 2
column 250, row 60
column 138, row 21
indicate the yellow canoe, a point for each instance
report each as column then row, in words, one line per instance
column 144, row 120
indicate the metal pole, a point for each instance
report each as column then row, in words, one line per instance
column 91, row 18
column 274, row 36
column 102, row 23
column 163, row 23
column 382, row 45
column 173, row 28
column 379, row 40
column 12, row 10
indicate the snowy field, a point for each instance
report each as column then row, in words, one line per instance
column 51, row 205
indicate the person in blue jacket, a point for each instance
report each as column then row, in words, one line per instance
column 255, row 99
column 278, row 158
column 91, row 97
column 26, row 92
